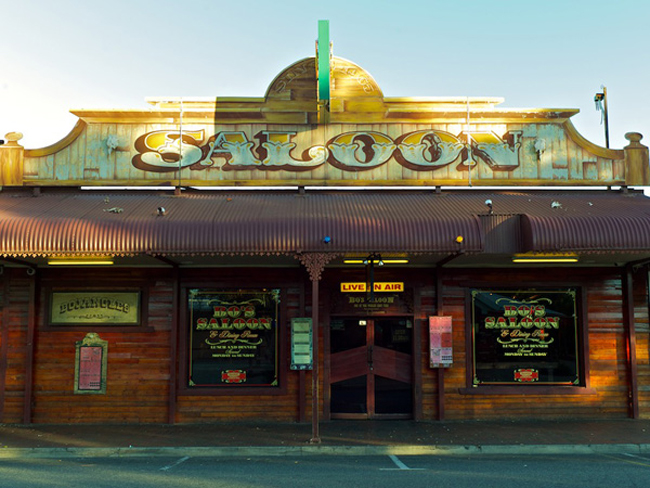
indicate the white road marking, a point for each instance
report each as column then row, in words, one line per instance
column 635, row 456
column 400, row 465
column 173, row 465
column 618, row 458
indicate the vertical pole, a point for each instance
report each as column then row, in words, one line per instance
column 417, row 354
column 323, row 69
column 302, row 374
column 315, row 263
column 441, row 371
column 29, row 360
column 180, row 144
column 469, row 148
column 606, row 117
column 630, row 329
column 315, row 431
column 173, row 345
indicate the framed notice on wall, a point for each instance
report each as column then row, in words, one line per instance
column 90, row 365
column 233, row 338
column 301, row 344
column 440, row 342
column 525, row 337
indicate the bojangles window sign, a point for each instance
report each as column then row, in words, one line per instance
column 525, row 337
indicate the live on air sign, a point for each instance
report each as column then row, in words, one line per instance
column 378, row 287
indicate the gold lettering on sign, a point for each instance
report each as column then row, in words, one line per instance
column 523, row 325
column 95, row 307
column 424, row 150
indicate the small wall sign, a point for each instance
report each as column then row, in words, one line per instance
column 95, row 307
column 440, row 342
column 90, row 365
column 301, row 344
column 382, row 287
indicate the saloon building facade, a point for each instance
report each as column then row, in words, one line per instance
column 404, row 294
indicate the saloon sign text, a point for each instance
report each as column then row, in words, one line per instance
column 422, row 150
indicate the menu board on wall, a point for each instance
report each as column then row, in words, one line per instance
column 525, row 337
column 90, row 365
column 301, row 344
column 233, row 338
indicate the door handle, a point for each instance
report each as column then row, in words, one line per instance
column 370, row 357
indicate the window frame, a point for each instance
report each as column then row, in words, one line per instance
column 582, row 335
column 240, row 390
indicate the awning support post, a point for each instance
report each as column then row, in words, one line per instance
column 441, row 371
column 29, row 359
column 315, row 264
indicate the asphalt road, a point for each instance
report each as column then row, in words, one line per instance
column 477, row 471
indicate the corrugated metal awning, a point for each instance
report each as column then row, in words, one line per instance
column 587, row 233
column 247, row 222
column 259, row 222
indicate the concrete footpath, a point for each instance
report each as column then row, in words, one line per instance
column 336, row 437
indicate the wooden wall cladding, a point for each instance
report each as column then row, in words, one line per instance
column 642, row 322
column 13, row 347
column 607, row 363
column 139, row 368
column 241, row 403
column 139, row 365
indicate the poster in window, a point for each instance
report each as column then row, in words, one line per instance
column 525, row 337
column 233, row 338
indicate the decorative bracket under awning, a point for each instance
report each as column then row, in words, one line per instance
column 315, row 263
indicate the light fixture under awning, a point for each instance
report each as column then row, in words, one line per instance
column 80, row 262
column 545, row 258
column 376, row 261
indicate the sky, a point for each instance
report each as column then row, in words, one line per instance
column 58, row 55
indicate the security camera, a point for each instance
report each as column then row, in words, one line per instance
column 161, row 211
column 488, row 202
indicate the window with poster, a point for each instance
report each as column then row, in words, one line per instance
column 233, row 339
column 530, row 337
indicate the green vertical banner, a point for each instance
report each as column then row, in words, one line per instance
column 324, row 60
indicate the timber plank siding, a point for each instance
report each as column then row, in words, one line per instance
column 15, row 316
column 606, row 354
column 139, row 375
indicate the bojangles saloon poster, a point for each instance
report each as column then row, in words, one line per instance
column 525, row 337
column 233, row 338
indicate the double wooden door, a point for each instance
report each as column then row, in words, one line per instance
column 371, row 367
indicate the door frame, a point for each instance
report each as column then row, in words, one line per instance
column 415, row 360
